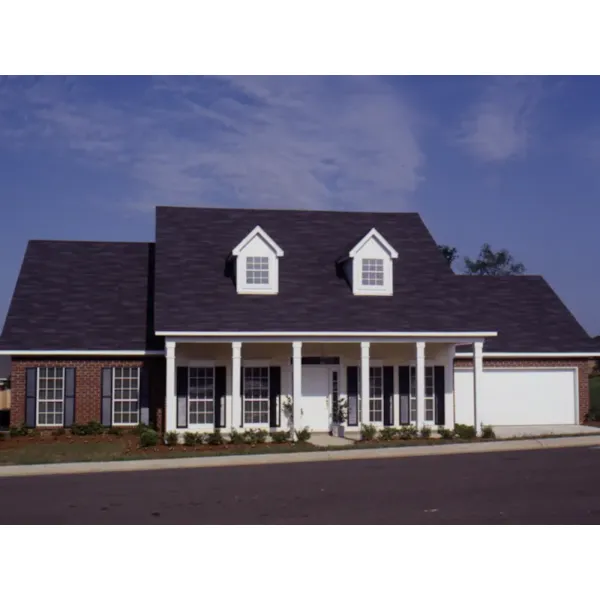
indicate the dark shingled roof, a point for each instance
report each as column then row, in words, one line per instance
column 82, row 296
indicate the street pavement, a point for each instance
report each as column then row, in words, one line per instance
column 559, row 486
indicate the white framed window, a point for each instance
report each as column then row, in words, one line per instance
column 372, row 272
column 429, row 394
column 126, row 391
column 257, row 270
column 50, row 396
column 201, row 395
column 375, row 395
column 256, row 395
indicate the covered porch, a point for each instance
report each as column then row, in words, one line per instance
column 284, row 382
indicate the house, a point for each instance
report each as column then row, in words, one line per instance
column 247, row 318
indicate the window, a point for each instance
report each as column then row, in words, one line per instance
column 375, row 395
column 257, row 270
column 126, row 386
column 372, row 272
column 256, row 395
column 201, row 388
column 429, row 395
column 50, row 395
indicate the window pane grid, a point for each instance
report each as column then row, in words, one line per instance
column 201, row 395
column 50, row 396
column 375, row 395
column 429, row 394
column 126, row 384
column 256, row 395
column 372, row 271
column 257, row 270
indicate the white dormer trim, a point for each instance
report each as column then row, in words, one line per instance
column 373, row 234
column 257, row 253
column 258, row 231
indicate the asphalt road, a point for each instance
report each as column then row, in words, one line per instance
column 529, row 487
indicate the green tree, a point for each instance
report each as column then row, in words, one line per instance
column 450, row 253
column 493, row 263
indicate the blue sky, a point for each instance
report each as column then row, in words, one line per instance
column 514, row 162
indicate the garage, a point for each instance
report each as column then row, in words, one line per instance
column 519, row 397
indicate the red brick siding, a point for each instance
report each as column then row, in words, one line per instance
column 584, row 367
column 88, row 385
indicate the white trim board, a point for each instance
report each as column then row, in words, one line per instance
column 83, row 352
column 336, row 334
column 531, row 354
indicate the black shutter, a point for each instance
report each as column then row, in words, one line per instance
column 352, row 392
column 106, row 403
column 144, row 393
column 439, row 385
column 30, row 396
column 182, row 397
column 220, row 393
column 69, row 406
column 275, row 390
column 404, row 392
column 388, row 396
column 242, row 369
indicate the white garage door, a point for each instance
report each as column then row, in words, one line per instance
column 518, row 397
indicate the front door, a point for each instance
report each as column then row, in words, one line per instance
column 314, row 408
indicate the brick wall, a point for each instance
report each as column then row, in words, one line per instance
column 584, row 367
column 88, row 385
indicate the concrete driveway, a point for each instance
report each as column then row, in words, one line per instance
column 509, row 431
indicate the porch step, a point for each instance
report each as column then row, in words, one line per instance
column 323, row 440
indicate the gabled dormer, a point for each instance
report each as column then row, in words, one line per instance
column 257, row 263
column 369, row 266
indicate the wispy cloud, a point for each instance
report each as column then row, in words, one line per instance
column 272, row 141
column 499, row 126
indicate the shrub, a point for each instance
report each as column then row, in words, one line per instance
column 59, row 432
column 425, row 432
column 236, row 437
column 280, row 437
column 140, row 428
column 19, row 431
column 95, row 428
column 488, row 433
column 215, row 438
column 171, row 438
column 465, row 432
column 388, row 434
column 256, row 436
column 200, row 438
column 77, row 429
column 408, row 432
column 368, row 432
column 148, row 438
column 446, row 434
column 114, row 431
column 593, row 415
column 303, row 434
column 189, row 438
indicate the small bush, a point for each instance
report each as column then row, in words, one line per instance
column 593, row 415
column 280, row 437
column 78, row 429
column 215, row 438
column 114, row 431
column 20, row 431
column 368, row 432
column 387, row 434
column 200, row 438
column 59, row 432
column 95, row 428
column 189, row 438
column 172, row 438
column 487, row 433
column 148, row 438
column 236, row 437
column 255, row 436
column 425, row 432
column 408, row 432
column 464, row 432
column 140, row 428
column 303, row 435
column 446, row 434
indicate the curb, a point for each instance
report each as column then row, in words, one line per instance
column 300, row 457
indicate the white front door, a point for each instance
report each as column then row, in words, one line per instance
column 314, row 407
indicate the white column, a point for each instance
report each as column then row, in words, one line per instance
column 477, row 382
column 449, row 388
column 170, row 396
column 364, row 380
column 296, row 385
column 236, row 374
column 420, row 384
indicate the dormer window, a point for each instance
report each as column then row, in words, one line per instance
column 257, row 263
column 369, row 266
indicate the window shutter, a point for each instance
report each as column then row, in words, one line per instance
column 275, row 391
column 352, row 392
column 106, row 404
column 439, row 385
column 220, row 393
column 69, row 404
column 182, row 397
column 404, row 392
column 242, row 370
column 144, row 395
column 30, row 396
column 388, row 396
